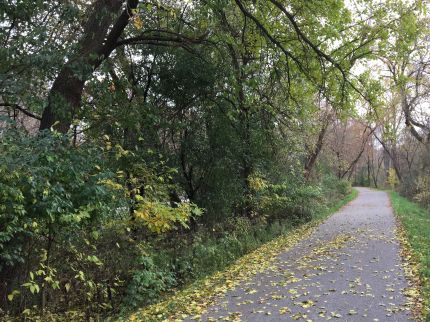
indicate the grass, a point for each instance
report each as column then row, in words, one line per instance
column 416, row 223
column 193, row 300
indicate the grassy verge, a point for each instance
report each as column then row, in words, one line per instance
column 416, row 226
column 337, row 205
column 193, row 300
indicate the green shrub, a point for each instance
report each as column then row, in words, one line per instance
column 288, row 201
column 334, row 188
column 149, row 281
column 51, row 196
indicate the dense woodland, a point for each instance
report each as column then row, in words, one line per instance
column 145, row 144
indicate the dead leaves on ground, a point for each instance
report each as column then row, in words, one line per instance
column 411, row 269
column 193, row 301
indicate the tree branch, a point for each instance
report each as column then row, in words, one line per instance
column 21, row 109
column 267, row 34
column 159, row 37
column 301, row 35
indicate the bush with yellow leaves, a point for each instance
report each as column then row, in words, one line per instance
column 392, row 179
column 423, row 188
column 160, row 217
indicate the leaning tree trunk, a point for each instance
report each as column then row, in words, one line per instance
column 312, row 158
column 100, row 35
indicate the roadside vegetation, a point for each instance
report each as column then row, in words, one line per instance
column 67, row 218
column 416, row 223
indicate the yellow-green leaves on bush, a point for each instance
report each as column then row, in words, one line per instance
column 392, row 179
column 423, row 190
column 160, row 217
column 257, row 183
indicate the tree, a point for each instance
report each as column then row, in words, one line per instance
column 407, row 61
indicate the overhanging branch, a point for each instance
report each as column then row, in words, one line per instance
column 161, row 37
column 21, row 109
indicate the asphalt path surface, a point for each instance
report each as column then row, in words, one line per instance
column 349, row 269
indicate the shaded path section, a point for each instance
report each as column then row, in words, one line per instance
column 348, row 270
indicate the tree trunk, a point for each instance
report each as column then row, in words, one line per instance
column 96, row 44
column 312, row 158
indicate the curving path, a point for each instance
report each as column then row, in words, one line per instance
column 348, row 270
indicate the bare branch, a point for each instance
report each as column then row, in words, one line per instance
column 21, row 109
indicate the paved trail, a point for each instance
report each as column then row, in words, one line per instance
column 348, row 270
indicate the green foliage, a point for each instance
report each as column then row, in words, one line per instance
column 334, row 188
column 47, row 188
column 290, row 200
column 64, row 211
column 148, row 283
column 297, row 200
column 52, row 195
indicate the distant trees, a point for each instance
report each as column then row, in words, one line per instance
column 348, row 142
column 404, row 120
